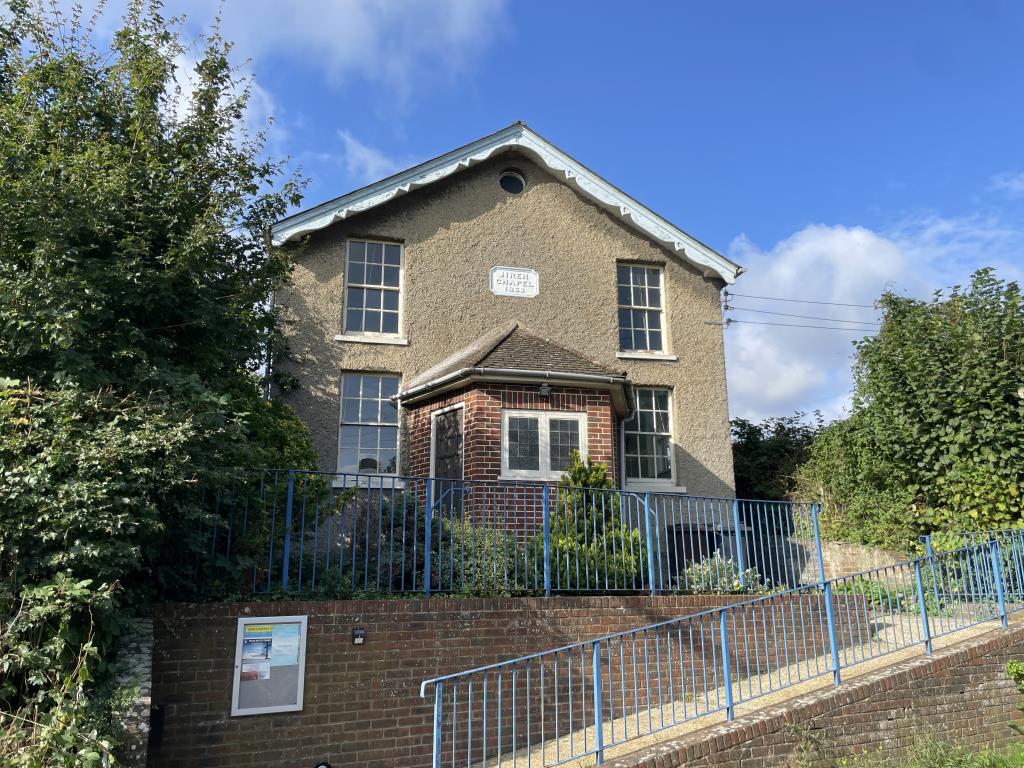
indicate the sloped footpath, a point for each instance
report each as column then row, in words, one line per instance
column 961, row 692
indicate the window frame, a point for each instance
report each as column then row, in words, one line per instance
column 544, row 439
column 346, row 284
column 664, row 351
column 342, row 423
column 655, row 482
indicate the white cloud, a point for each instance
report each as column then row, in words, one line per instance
column 403, row 47
column 1009, row 182
column 776, row 370
column 364, row 163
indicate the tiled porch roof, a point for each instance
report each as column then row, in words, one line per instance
column 511, row 347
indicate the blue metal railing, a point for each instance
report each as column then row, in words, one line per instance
column 301, row 531
column 548, row 708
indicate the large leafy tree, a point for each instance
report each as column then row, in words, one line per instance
column 135, row 324
column 935, row 442
column 767, row 453
column 133, row 216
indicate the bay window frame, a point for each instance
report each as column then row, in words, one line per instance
column 544, row 419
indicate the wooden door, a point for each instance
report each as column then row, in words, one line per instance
column 447, row 445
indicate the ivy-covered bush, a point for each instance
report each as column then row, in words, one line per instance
column 935, row 441
column 134, row 330
column 86, row 479
column 718, row 575
column 591, row 547
column 51, row 647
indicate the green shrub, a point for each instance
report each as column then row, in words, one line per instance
column 467, row 559
column 1015, row 671
column 717, row 575
column 134, row 321
column 52, row 641
column 591, row 548
column 480, row 561
column 926, row 751
column 877, row 594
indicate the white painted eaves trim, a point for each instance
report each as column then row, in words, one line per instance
column 517, row 136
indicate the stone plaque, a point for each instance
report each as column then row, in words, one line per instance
column 515, row 281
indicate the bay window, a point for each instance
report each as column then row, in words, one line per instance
column 539, row 444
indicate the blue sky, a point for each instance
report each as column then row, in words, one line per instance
column 834, row 149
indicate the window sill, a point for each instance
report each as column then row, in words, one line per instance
column 530, row 478
column 654, row 486
column 393, row 340
column 647, row 356
column 381, row 482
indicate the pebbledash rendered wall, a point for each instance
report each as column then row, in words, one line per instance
column 454, row 231
column 361, row 703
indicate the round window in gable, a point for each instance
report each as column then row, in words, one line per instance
column 512, row 181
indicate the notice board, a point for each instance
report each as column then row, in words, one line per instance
column 270, row 663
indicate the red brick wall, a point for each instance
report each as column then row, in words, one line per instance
column 482, row 424
column 362, row 704
column 960, row 694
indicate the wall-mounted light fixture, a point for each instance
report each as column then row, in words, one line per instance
column 358, row 636
column 545, row 390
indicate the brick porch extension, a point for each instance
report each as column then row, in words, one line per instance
column 483, row 403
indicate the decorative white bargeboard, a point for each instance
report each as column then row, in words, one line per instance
column 520, row 138
column 514, row 281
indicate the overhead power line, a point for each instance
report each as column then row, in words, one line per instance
column 730, row 321
column 798, row 301
column 803, row 317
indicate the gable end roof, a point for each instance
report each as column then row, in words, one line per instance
column 516, row 136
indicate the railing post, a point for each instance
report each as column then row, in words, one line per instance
column 286, row 552
column 741, row 565
column 650, row 546
column 436, row 760
column 598, row 707
column 832, row 644
column 730, row 709
column 930, row 549
column 428, row 535
column 546, row 528
column 817, row 542
column 998, row 576
column 925, row 629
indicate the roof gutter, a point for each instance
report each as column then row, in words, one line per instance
column 442, row 382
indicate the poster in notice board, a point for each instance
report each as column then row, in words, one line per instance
column 270, row 661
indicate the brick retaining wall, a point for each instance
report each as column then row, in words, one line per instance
column 842, row 558
column 362, row 703
column 362, row 706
